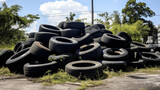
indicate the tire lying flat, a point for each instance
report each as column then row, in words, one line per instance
column 86, row 68
column 35, row 69
column 115, row 54
column 62, row 45
column 90, row 52
column 113, row 41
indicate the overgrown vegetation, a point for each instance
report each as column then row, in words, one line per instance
column 12, row 26
column 5, row 72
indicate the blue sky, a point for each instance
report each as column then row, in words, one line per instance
column 54, row 11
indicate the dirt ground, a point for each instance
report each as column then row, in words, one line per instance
column 137, row 81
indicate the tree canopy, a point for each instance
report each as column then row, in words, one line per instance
column 12, row 25
column 134, row 11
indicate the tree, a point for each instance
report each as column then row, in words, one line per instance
column 116, row 18
column 12, row 25
column 105, row 19
column 71, row 17
column 134, row 11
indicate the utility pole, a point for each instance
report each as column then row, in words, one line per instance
column 92, row 12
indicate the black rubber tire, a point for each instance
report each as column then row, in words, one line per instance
column 16, row 62
column 44, row 37
column 150, row 57
column 62, row 45
column 61, row 25
column 106, row 31
column 114, row 65
column 63, row 59
column 18, row 47
column 125, row 36
column 40, row 51
column 75, row 25
column 5, row 54
column 113, row 41
column 136, row 64
column 95, row 33
column 115, row 54
column 36, row 69
column 90, row 52
column 157, row 49
column 49, row 28
column 142, row 47
column 31, row 35
column 70, row 32
column 86, row 39
column 96, row 26
column 98, row 40
column 28, row 42
column 134, row 54
column 84, row 69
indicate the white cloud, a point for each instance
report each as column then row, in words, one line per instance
column 33, row 27
column 57, row 11
column 1, row 1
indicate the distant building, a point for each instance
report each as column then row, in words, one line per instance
column 158, row 34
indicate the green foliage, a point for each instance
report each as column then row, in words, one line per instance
column 105, row 20
column 5, row 72
column 136, row 30
column 71, row 17
column 134, row 11
column 116, row 18
column 12, row 25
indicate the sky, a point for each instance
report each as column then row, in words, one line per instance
column 54, row 11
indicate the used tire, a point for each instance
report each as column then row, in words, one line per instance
column 49, row 28
column 31, row 35
column 62, row 45
column 142, row 47
column 96, row 26
column 106, row 31
column 125, row 36
column 61, row 25
column 40, row 51
column 115, row 54
column 44, row 37
column 63, row 59
column 136, row 64
column 150, row 57
column 18, row 47
column 28, row 42
column 90, row 52
column 70, row 32
column 114, row 65
column 36, row 69
column 113, row 41
column 134, row 54
column 86, row 68
column 86, row 39
column 5, row 54
column 75, row 25
column 16, row 62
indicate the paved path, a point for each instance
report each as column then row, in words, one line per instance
column 137, row 81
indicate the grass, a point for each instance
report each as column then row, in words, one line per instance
column 5, row 72
column 7, row 47
column 62, row 77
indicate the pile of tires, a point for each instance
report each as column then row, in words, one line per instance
column 81, row 51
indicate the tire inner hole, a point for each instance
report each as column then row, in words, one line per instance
column 87, row 48
column 64, row 40
column 83, row 64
